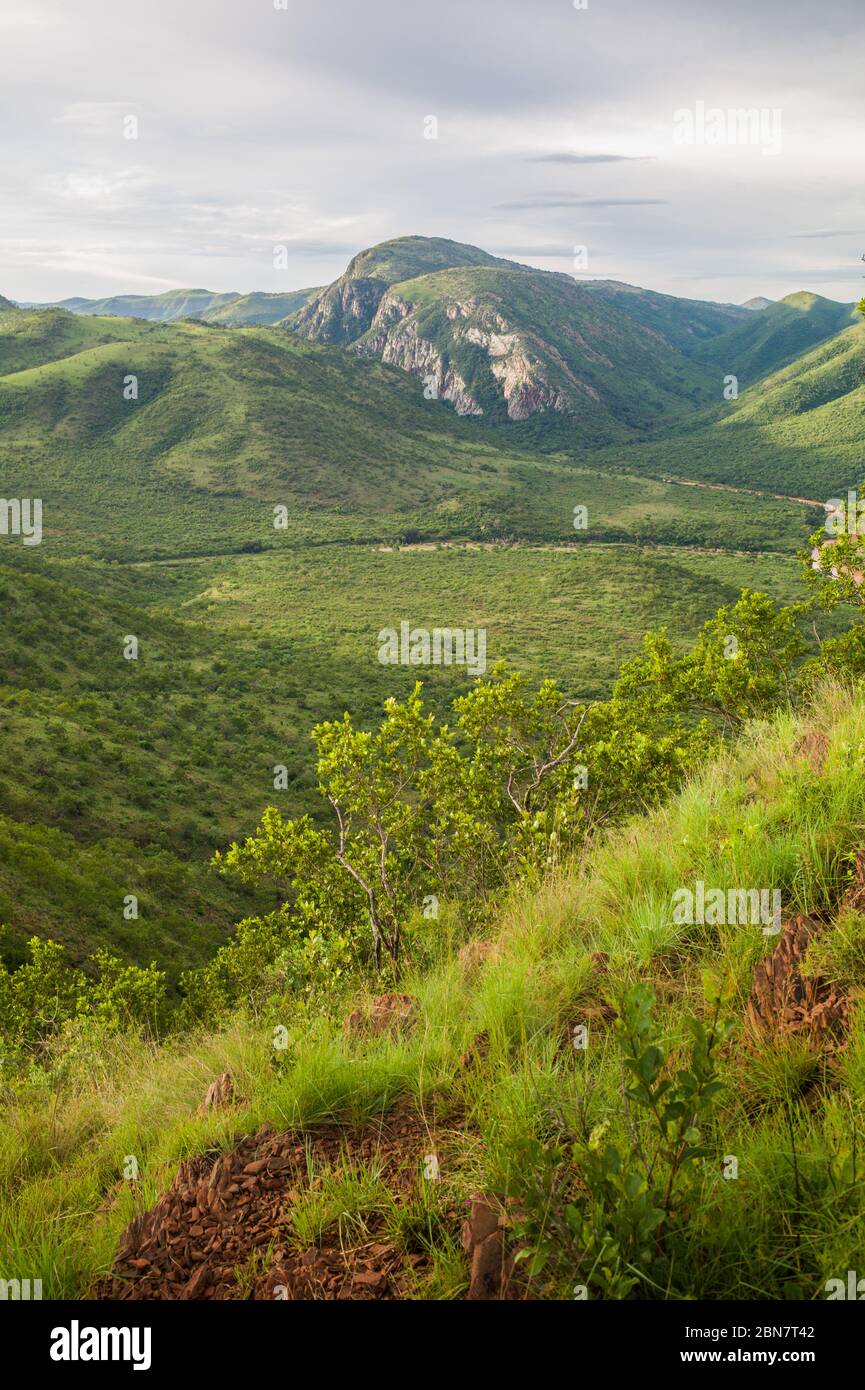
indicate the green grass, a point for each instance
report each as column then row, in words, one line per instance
column 759, row 815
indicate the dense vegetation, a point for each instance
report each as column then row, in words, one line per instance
column 652, row 683
column 491, row 814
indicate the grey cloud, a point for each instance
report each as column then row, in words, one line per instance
column 530, row 204
column 816, row 236
column 586, row 158
column 305, row 128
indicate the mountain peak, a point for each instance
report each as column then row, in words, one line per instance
column 406, row 257
column 807, row 300
column 759, row 301
column 344, row 310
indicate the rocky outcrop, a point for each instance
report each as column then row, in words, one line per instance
column 387, row 1013
column 394, row 339
column 224, row 1228
column 784, row 1001
column 515, row 364
column 343, row 313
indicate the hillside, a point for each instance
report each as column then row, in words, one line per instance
column 258, row 308
column 229, row 423
column 798, row 431
column 779, row 333
column 481, row 1070
column 127, row 758
column 684, row 323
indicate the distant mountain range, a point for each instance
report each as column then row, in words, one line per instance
column 230, row 308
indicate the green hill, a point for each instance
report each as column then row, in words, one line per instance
column 776, row 335
column 127, row 762
column 258, row 308
column 798, row 431
column 160, row 308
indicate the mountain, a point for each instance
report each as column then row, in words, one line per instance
column 776, row 335
column 345, row 310
column 758, row 302
column 228, row 308
column 563, row 364
column 5, row 304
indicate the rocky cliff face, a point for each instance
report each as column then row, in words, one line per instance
column 394, row 338
column 342, row 313
column 516, row 362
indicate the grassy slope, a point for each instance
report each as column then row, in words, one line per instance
column 772, row 338
column 685, row 323
column 759, row 816
column 798, row 431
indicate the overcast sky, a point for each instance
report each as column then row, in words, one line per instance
column 305, row 127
